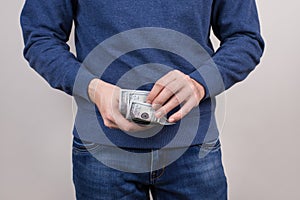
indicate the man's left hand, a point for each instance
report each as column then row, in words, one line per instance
column 173, row 89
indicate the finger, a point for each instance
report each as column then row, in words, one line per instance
column 176, row 100
column 131, row 126
column 118, row 120
column 159, row 85
column 154, row 92
column 110, row 124
column 124, row 124
column 184, row 110
column 170, row 90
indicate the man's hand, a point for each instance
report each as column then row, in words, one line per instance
column 173, row 89
column 106, row 98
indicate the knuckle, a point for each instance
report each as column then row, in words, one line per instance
column 178, row 98
column 158, row 101
column 169, row 89
column 107, row 123
column 176, row 71
column 159, row 83
column 109, row 117
column 104, row 113
column 127, row 128
column 187, row 78
column 171, row 72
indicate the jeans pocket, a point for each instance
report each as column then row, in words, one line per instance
column 209, row 147
column 81, row 146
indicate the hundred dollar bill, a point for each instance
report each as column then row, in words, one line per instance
column 133, row 106
column 143, row 113
column 127, row 96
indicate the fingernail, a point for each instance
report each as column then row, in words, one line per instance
column 148, row 101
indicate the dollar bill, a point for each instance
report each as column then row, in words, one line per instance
column 141, row 113
column 133, row 106
column 127, row 96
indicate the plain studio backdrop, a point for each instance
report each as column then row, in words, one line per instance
column 260, row 136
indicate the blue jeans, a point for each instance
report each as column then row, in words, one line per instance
column 189, row 177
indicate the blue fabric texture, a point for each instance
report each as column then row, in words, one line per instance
column 190, row 177
column 47, row 25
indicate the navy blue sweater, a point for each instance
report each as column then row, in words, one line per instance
column 47, row 24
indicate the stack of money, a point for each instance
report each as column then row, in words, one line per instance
column 133, row 107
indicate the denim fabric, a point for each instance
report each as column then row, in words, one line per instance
column 197, row 175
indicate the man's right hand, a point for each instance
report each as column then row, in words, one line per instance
column 106, row 97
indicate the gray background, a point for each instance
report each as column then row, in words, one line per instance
column 260, row 136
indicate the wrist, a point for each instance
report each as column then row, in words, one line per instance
column 92, row 89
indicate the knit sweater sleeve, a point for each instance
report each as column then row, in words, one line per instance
column 236, row 24
column 46, row 27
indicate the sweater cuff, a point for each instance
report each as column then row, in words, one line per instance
column 81, row 83
column 210, row 78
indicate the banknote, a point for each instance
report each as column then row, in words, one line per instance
column 127, row 96
column 143, row 113
column 133, row 106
